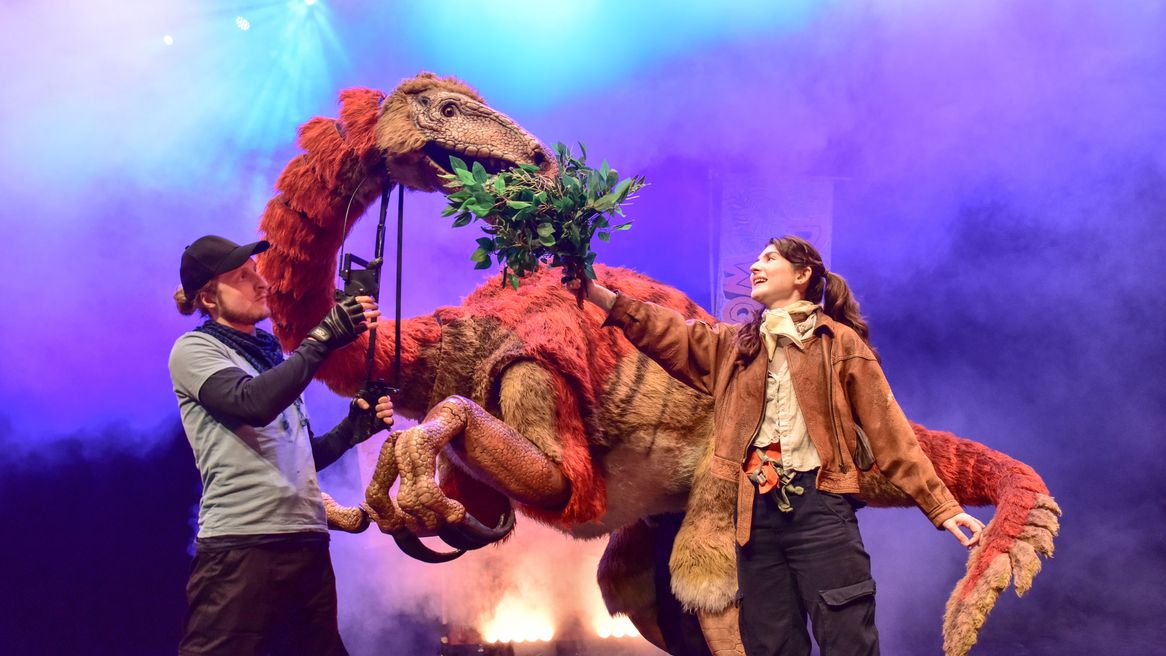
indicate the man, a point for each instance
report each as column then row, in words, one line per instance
column 262, row 579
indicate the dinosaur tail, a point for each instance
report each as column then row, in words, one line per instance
column 1026, row 521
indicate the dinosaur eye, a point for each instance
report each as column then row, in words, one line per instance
column 449, row 110
column 424, row 101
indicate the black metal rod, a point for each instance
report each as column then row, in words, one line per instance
column 400, row 251
column 378, row 252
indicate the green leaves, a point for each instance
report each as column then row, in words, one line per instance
column 546, row 234
column 535, row 220
column 479, row 172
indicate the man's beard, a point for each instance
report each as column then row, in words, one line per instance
column 248, row 318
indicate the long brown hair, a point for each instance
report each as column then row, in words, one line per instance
column 827, row 289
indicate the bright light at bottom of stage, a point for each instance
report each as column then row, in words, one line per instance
column 309, row 2
column 168, row 40
column 242, row 23
column 615, row 627
column 515, row 621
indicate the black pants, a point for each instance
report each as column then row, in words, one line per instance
column 808, row 561
column 273, row 599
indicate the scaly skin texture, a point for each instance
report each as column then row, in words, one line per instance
column 526, row 399
column 484, row 446
column 722, row 633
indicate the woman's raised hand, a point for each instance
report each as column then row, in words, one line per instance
column 954, row 524
column 594, row 292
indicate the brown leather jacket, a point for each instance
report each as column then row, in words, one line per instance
column 705, row 357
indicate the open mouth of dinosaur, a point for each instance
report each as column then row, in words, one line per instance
column 440, row 155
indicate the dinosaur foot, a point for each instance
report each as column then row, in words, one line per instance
column 419, row 498
column 407, row 541
column 421, row 508
column 721, row 632
column 427, row 508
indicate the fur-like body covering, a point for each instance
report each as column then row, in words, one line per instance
column 631, row 441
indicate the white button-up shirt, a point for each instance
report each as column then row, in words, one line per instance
column 782, row 421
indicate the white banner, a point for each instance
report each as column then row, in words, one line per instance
column 753, row 210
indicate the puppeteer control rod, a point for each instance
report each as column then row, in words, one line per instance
column 366, row 281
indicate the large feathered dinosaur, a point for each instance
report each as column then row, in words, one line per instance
column 525, row 399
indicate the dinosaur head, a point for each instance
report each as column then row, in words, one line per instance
column 427, row 118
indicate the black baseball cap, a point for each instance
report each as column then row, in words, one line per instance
column 211, row 255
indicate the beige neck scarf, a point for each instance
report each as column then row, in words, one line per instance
column 781, row 323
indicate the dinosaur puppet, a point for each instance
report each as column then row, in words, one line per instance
column 526, row 400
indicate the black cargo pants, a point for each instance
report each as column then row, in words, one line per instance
column 274, row 599
column 809, row 561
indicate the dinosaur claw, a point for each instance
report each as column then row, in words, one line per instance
column 412, row 546
column 472, row 534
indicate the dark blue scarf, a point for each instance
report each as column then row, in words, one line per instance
column 261, row 350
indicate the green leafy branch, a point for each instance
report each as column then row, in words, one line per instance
column 533, row 220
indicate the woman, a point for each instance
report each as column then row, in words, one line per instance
column 800, row 405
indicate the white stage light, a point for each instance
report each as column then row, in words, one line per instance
column 309, row 2
column 168, row 40
column 242, row 23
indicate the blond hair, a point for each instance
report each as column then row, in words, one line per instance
column 187, row 306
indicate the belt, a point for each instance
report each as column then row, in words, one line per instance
column 764, row 468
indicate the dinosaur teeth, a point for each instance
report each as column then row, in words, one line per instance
column 493, row 162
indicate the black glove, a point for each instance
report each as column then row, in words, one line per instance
column 365, row 423
column 342, row 325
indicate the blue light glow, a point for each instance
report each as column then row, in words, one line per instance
column 535, row 54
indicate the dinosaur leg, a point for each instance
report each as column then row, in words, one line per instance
column 722, row 632
column 379, row 506
column 492, row 451
column 1023, row 528
column 627, row 579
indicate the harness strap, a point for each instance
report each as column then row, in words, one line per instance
column 771, row 477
